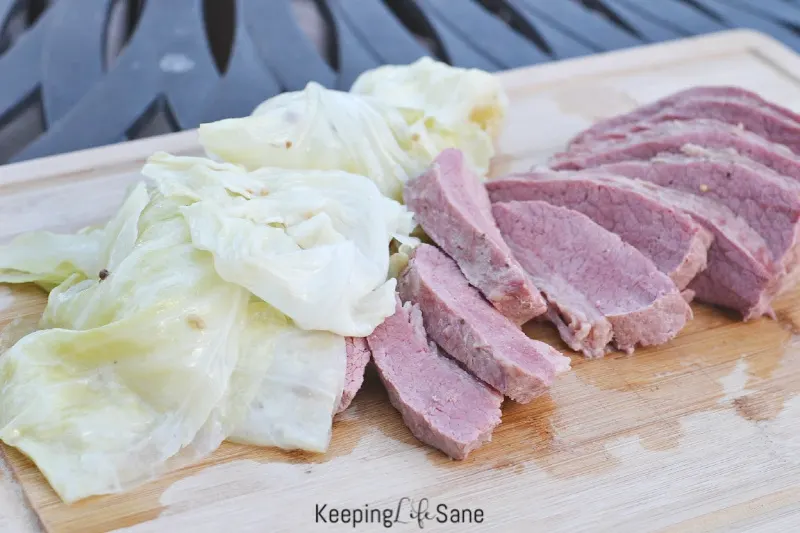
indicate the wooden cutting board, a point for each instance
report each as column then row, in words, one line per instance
column 700, row 434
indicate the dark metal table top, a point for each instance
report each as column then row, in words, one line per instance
column 81, row 73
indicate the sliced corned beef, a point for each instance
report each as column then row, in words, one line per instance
column 451, row 205
column 671, row 137
column 441, row 403
column 564, row 249
column 473, row 332
column 728, row 104
column 670, row 238
column 740, row 273
column 767, row 201
column 357, row 358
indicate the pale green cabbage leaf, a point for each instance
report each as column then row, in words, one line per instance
column 48, row 259
column 456, row 97
column 322, row 129
column 313, row 244
column 444, row 107
column 149, row 351
column 298, row 397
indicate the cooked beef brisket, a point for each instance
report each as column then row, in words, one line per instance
column 441, row 403
column 728, row 104
column 670, row 238
column 740, row 273
column 358, row 356
column 672, row 137
column 451, row 205
column 767, row 201
column 585, row 270
column 473, row 332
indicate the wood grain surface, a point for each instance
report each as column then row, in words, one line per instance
column 700, row 434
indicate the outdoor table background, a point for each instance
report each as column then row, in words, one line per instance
column 81, row 73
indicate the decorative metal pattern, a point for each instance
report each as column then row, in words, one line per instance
column 175, row 66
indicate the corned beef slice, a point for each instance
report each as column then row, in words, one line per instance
column 672, row 137
column 670, row 238
column 767, row 201
column 441, row 403
column 357, row 358
column 563, row 249
column 740, row 273
column 473, row 332
column 728, row 104
column 451, row 205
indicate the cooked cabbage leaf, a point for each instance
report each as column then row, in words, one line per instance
column 104, row 405
column 313, row 244
column 48, row 259
column 153, row 365
column 322, row 129
column 262, row 337
column 445, row 107
column 298, row 397
column 454, row 96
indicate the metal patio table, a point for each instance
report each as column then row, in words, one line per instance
column 76, row 74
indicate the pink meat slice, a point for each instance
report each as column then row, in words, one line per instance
column 451, row 205
column 767, row 201
column 441, row 403
column 656, row 138
column 358, row 356
column 740, row 273
column 669, row 237
column 473, row 332
column 587, row 271
column 732, row 105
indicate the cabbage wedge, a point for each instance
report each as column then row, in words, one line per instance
column 321, row 129
column 456, row 97
column 444, row 107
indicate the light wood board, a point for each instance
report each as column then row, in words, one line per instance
column 700, row 434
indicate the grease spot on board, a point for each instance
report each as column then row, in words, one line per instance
column 627, row 398
column 789, row 319
column 556, row 432
column 757, row 407
column 749, row 404
column 733, row 385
